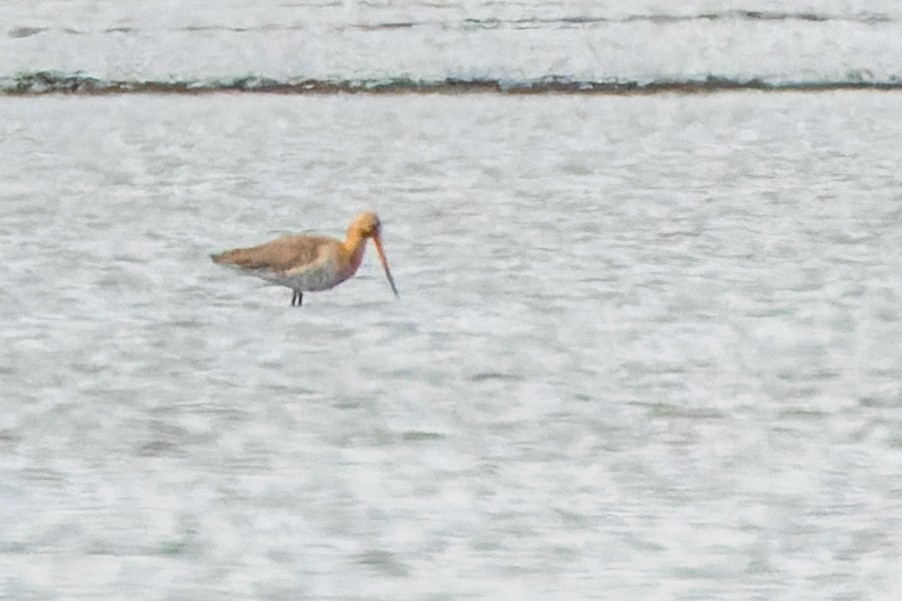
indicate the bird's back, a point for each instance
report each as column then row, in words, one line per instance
column 279, row 255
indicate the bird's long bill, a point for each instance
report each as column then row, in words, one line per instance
column 377, row 242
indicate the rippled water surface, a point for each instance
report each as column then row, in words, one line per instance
column 88, row 43
column 646, row 348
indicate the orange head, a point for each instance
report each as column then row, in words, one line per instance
column 367, row 225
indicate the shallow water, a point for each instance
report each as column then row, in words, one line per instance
column 645, row 348
column 211, row 45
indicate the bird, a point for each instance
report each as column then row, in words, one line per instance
column 310, row 263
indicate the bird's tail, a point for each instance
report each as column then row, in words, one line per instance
column 230, row 257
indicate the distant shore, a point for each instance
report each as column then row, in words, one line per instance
column 43, row 83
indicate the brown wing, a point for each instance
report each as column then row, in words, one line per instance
column 279, row 255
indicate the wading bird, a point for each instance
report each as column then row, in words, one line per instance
column 310, row 263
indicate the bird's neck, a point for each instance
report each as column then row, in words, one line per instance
column 354, row 246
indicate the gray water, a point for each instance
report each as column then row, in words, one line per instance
column 209, row 44
column 646, row 348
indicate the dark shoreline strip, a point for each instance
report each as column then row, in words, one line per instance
column 40, row 84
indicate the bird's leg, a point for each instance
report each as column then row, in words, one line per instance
column 297, row 298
